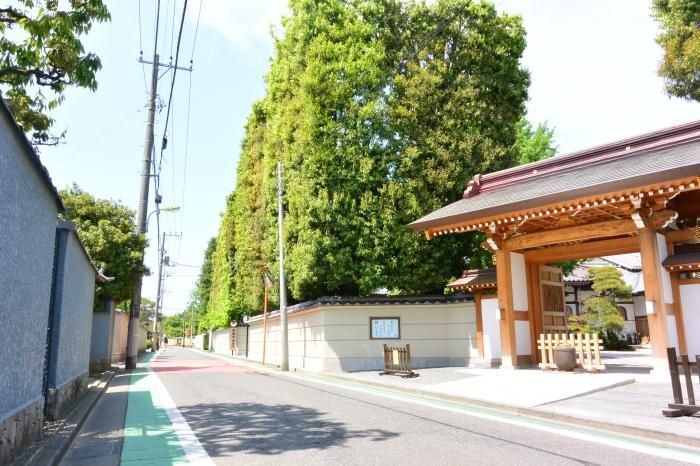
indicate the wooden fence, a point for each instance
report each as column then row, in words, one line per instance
column 397, row 361
column 587, row 348
column 678, row 407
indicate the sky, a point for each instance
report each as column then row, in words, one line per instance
column 592, row 63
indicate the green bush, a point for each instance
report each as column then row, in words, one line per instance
column 149, row 344
column 611, row 341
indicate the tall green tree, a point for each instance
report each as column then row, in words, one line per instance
column 534, row 144
column 107, row 230
column 41, row 54
column 680, row 40
column 380, row 111
column 174, row 326
column 454, row 109
column 148, row 311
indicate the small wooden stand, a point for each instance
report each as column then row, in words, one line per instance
column 397, row 361
column 678, row 408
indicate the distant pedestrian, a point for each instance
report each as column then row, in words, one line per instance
column 165, row 342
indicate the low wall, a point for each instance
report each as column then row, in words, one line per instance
column 120, row 332
column 101, row 340
column 221, row 341
column 337, row 337
column 143, row 338
column 199, row 341
column 241, row 347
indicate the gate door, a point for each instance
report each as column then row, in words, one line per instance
column 552, row 293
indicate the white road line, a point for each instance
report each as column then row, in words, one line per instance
column 575, row 432
column 196, row 454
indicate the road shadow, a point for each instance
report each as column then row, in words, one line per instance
column 269, row 429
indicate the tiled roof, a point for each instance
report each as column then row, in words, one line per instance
column 579, row 276
column 329, row 301
column 657, row 157
column 631, row 262
column 475, row 279
column 680, row 262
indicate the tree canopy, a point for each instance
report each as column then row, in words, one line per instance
column 680, row 40
column 107, row 230
column 380, row 111
column 533, row 144
column 41, row 54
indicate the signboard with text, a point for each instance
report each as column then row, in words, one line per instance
column 385, row 328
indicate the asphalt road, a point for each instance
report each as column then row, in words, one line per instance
column 242, row 415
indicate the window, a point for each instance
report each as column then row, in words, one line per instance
column 623, row 312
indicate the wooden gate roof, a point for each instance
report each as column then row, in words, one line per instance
column 631, row 167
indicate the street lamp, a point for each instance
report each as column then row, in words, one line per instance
column 158, row 209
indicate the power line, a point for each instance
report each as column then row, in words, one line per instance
column 187, row 147
column 96, row 138
column 196, row 29
column 187, row 127
column 177, row 57
column 172, row 88
column 172, row 29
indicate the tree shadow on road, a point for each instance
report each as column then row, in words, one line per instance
column 269, row 429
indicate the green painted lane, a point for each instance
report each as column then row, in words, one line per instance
column 149, row 437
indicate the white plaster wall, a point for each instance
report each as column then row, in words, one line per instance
column 523, row 345
column 690, row 300
column 337, row 338
column 491, row 327
column 672, row 332
column 241, row 341
column 518, row 281
column 199, row 341
column 665, row 276
column 640, row 308
column 221, row 340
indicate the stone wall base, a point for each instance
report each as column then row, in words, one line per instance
column 100, row 365
column 61, row 399
column 20, row 430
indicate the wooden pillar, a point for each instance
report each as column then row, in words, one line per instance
column 509, row 356
column 534, row 308
column 678, row 312
column 655, row 298
column 479, row 324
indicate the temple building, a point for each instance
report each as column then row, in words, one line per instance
column 639, row 195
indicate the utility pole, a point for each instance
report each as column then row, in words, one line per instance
column 192, row 329
column 141, row 227
column 161, row 277
column 132, row 340
column 284, row 339
column 156, row 339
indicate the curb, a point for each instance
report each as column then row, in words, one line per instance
column 636, row 433
column 53, row 451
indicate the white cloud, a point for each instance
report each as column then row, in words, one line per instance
column 593, row 66
column 244, row 23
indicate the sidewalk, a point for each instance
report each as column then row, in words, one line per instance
column 129, row 425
